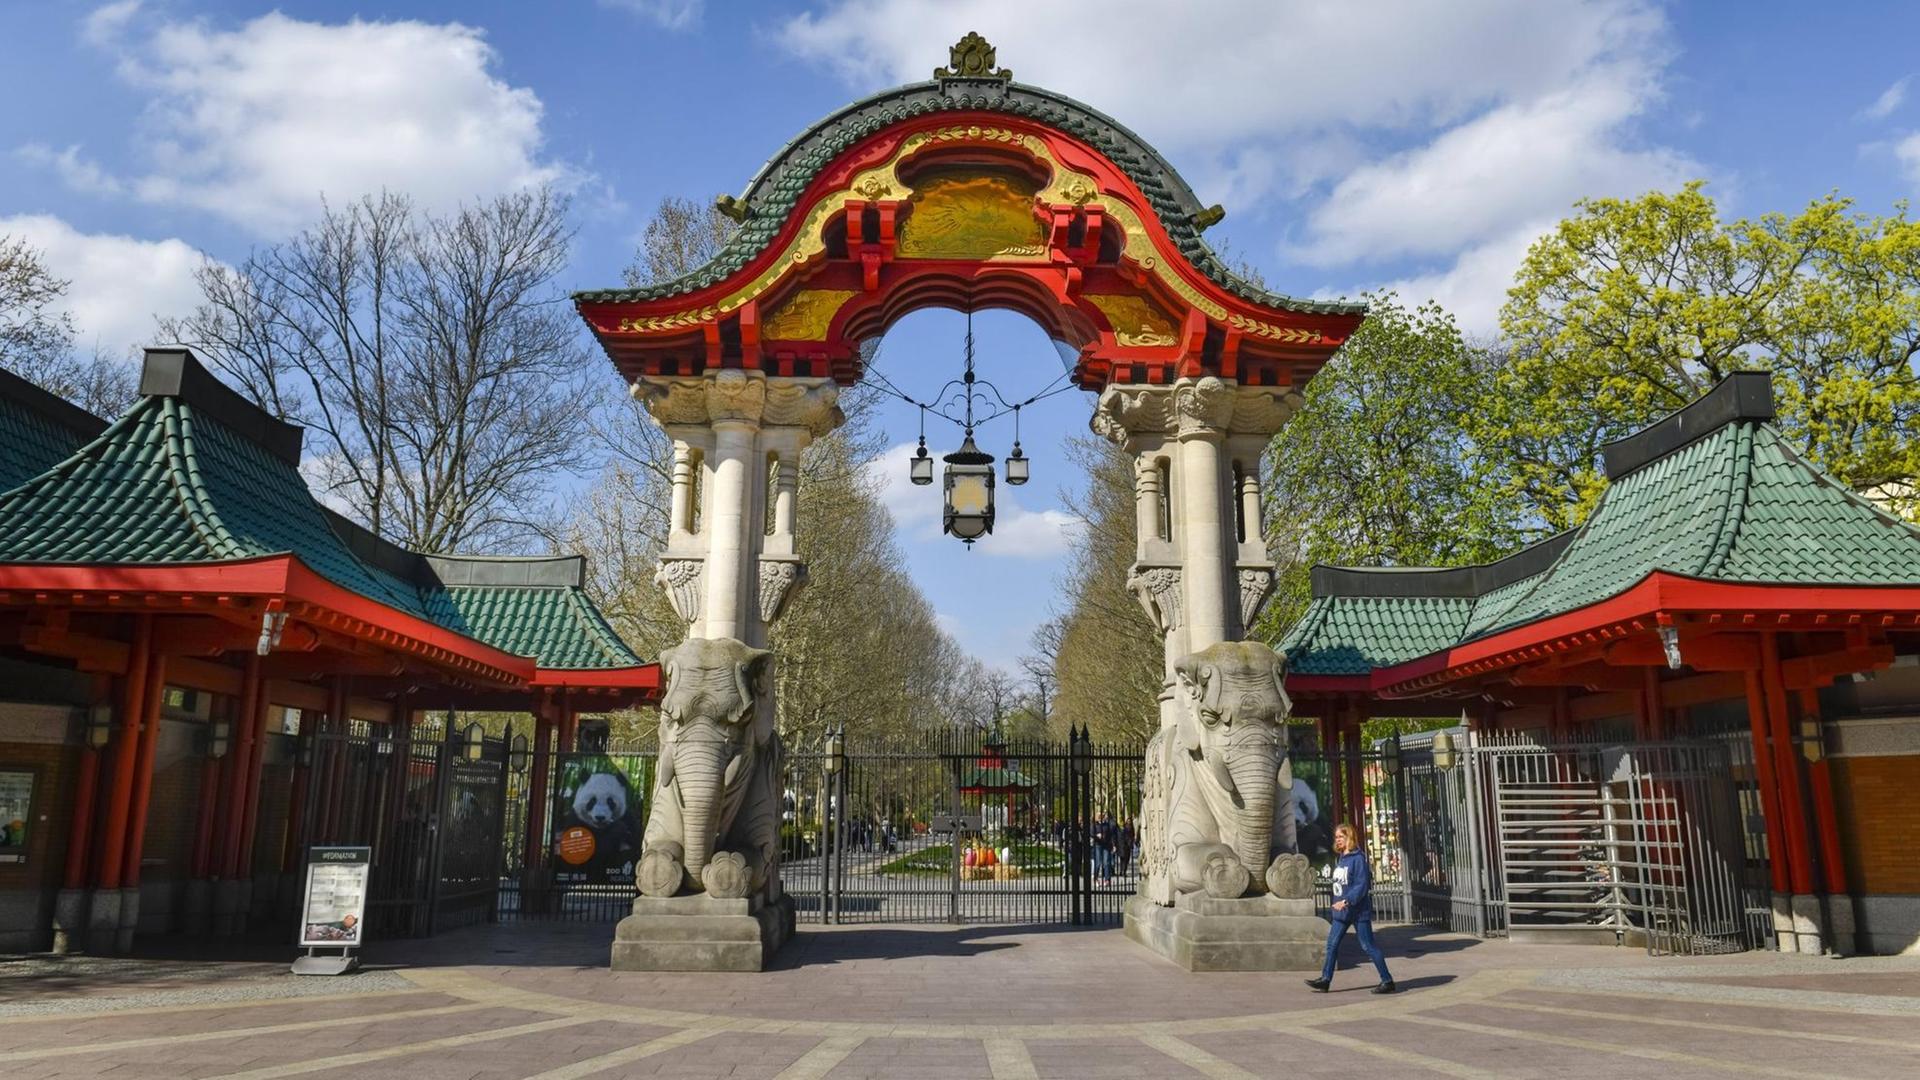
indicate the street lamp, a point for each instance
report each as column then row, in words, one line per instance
column 1017, row 463
column 519, row 755
column 475, row 740
column 969, row 513
column 1444, row 755
column 921, row 471
column 836, row 746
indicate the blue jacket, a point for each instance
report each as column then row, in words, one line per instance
column 1353, row 882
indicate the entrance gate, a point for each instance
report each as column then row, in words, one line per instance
column 1628, row 843
column 963, row 827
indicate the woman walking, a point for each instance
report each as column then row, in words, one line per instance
column 1352, row 906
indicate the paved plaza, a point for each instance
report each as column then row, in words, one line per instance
column 888, row 1002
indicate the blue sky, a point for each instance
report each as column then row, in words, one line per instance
column 1355, row 145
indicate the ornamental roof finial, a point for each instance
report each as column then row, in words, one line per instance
column 972, row 58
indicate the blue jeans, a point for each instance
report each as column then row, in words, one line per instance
column 1363, row 929
column 1102, row 861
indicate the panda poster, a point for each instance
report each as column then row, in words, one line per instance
column 599, row 818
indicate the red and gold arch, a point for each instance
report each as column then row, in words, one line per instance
column 969, row 192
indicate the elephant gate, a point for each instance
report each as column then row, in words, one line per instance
column 967, row 191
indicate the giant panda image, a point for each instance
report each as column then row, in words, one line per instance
column 602, row 803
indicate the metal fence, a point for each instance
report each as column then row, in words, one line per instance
column 1628, row 843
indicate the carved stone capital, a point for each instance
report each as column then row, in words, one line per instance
column 779, row 580
column 1203, row 406
column 1158, row 590
column 1256, row 584
column 718, row 396
column 682, row 579
column 1206, row 406
column 1125, row 411
column 813, row 404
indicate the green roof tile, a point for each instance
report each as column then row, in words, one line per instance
column 172, row 483
column 1722, row 500
column 37, row 430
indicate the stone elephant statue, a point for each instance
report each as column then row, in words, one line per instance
column 715, row 813
column 1216, row 806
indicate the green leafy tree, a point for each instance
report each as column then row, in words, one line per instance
column 1377, row 468
column 1631, row 308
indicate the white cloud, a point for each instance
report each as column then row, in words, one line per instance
column 1475, row 285
column 1890, row 99
column 75, row 171
column 671, row 14
column 1408, row 131
column 1907, row 153
column 1475, row 181
column 256, row 124
column 118, row 283
column 1018, row 532
column 108, row 21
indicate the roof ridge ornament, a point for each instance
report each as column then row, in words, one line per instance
column 972, row 57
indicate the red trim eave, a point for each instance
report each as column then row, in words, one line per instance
column 643, row 677
column 1658, row 593
column 265, row 576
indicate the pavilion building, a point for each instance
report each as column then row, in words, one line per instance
column 1722, row 587
column 180, row 620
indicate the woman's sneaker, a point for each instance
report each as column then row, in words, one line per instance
column 1386, row 988
column 1320, row 986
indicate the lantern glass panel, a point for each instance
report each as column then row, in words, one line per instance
column 1017, row 470
column 922, row 470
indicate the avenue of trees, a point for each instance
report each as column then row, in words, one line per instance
column 452, row 402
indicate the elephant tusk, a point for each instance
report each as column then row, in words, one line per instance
column 1218, row 766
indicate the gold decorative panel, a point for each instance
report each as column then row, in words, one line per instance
column 971, row 216
column 1135, row 320
column 805, row 315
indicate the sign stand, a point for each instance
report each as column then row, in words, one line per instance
column 333, row 910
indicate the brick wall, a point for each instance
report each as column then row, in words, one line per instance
column 1878, row 799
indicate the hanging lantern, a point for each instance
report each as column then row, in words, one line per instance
column 969, row 514
column 1017, row 463
column 922, row 468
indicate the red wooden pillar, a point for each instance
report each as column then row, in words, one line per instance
column 241, row 855
column 113, row 831
column 86, row 792
column 1786, row 769
column 533, row 851
column 1833, row 864
column 201, row 859
column 233, row 802
column 1777, row 851
column 1330, row 754
column 1356, row 786
column 1651, row 709
column 143, row 777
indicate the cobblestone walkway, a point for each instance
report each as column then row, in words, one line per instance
column 891, row 1002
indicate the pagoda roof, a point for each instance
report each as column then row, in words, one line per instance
column 195, row 475
column 777, row 188
column 38, row 429
column 1712, row 493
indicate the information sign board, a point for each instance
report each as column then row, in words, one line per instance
column 334, row 912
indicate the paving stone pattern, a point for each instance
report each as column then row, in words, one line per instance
column 882, row 1003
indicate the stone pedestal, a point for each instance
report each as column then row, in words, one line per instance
column 103, row 920
column 129, row 921
column 229, row 910
column 1257, row 933
column 700, row 933
column 196, row 908
column 70, row 921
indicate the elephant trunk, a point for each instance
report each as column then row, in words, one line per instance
column 1253, row 761
column 700, row 759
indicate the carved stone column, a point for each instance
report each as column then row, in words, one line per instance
column 1203, row 409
